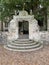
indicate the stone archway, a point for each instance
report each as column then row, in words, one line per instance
column 14, row 28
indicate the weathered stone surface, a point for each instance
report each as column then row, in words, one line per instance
column 33, row 27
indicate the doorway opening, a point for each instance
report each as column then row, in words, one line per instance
column 23, row 29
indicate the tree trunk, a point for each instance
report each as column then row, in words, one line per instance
column 1, row 25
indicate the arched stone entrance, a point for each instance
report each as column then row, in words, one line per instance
column 14, row 29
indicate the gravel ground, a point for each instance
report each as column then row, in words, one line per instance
column 40, row 57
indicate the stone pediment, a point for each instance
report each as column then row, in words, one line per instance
column 23, row 13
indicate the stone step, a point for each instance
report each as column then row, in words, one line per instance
column 23, row 46
column 22, row 43
column 24, row 50
column 23, row 40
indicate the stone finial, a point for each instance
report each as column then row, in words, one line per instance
column 15, row 12
column 23, row 6
column 31, row 12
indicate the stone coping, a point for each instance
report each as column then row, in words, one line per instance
column 27, row 16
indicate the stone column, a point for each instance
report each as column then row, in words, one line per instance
column 17, row 29
column 30, row 29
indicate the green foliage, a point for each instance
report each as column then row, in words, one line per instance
column 7, row 7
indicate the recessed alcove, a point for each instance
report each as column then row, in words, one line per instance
column 23, row 29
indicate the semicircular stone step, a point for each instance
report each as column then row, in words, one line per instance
column 24, row 50
column 22, row 42
column 23, row 46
